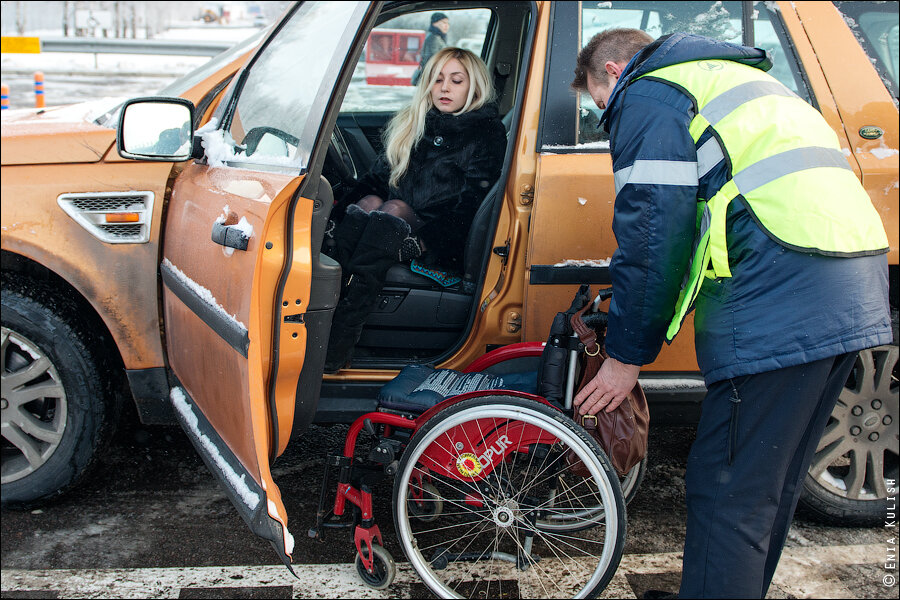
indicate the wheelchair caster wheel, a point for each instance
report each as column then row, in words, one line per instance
column 383, row 569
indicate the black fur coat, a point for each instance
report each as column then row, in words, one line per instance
column 450, row 172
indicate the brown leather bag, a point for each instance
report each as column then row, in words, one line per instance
column 621, row 433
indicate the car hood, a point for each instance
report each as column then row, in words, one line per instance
column 58, row 134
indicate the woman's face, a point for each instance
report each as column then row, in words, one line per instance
column 451, row 89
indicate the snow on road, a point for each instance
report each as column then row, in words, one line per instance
column 76, row 77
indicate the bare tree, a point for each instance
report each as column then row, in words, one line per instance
column 20, row 17
column 65, row 19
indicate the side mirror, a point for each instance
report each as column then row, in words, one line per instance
column 156, row 128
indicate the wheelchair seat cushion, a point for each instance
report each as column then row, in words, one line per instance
column 419, row 387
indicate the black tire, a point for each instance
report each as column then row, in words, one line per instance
column 846, row 485
column 39, row 328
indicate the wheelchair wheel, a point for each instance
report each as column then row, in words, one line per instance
column 383, row 570
column 576, row 507
column 493, row 461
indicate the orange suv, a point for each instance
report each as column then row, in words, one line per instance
column 181, row 269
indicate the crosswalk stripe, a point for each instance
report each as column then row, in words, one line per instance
column 800, row 574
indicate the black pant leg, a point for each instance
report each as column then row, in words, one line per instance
column 740, row 479
column 802, row 460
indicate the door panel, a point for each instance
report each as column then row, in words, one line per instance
column 237, row 262
column 571, row 223
column 220, row 304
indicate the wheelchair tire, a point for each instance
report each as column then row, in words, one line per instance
column 486, row 542
column 384, row 569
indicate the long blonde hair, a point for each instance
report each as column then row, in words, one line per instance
column 407, row 127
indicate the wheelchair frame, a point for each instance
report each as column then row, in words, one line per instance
column 357, row 491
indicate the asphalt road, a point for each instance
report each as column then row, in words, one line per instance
column 152, row 522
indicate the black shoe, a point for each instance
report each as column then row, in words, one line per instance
column 658, row 595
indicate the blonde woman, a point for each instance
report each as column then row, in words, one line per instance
column 443, row 152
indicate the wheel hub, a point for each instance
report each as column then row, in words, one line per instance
column 505, row 513
column 869, row 420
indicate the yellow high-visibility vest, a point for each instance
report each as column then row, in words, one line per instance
column 786, row 164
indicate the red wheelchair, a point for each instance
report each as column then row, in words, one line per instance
column 485, row 500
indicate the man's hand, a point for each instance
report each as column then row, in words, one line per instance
column 608, row 388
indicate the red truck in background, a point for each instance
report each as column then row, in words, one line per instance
column 392, row 56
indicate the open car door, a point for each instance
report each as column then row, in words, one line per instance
column 237, row 260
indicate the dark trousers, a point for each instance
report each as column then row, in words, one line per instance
column 755, row 441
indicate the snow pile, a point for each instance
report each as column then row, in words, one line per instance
column 204, row 293
column 288, row 538
column 601, row 145
column 237, row 483
column 573, row 262
column 218, row 143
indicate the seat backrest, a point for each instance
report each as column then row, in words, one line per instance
column 479, row 236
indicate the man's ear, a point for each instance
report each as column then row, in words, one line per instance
column 613, row 70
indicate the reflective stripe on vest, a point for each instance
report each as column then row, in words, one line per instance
column 789, row 170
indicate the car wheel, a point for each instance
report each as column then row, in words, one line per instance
column 56, row 410
column 856, row 459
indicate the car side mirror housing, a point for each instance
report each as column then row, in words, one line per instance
column 157, row 129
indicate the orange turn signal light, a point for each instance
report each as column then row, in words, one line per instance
column 123, row 217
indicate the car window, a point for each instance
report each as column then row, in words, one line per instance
column 282, row 98
column 719, row 20
column 876, row 28
column 394, row 50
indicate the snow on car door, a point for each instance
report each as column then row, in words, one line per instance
column 236, row 263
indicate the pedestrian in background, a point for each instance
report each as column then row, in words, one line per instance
column 732, row 194
column 435, row 41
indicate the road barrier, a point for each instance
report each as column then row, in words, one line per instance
column 4, row 97
column 114, row 46
column 38, row 89
column 33, row 45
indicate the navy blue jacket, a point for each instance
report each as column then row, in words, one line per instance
column 780, row 308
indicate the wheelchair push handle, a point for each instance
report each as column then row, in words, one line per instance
column 596, row 321
column 602, row 296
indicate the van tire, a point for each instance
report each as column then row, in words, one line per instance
column 39, row 325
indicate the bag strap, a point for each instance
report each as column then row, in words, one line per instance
column 587, row 335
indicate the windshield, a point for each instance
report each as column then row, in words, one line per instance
column 185, row 82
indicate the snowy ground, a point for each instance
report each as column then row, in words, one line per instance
column 75, row 77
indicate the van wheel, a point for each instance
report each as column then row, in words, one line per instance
column 855, row 466
column 56, row 410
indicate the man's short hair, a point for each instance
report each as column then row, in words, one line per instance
column 616, row 45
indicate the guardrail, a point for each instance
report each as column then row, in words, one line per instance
column 126, row 46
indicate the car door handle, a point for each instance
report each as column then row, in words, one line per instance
column 230, row 236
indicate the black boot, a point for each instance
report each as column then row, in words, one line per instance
column 357, row 300
column 387, row 239
column 341, row 241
